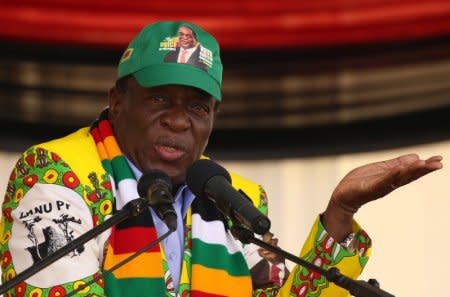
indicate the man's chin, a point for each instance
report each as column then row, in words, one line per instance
column 176, row 175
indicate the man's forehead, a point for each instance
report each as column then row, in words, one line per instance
column 179, row 88
column 185, row 28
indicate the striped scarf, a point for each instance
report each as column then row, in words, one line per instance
column 213, row 263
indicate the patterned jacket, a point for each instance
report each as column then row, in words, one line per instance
column 59, row 190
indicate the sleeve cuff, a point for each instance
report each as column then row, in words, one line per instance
column 330, row 251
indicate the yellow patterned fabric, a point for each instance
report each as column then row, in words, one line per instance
column 70, row 170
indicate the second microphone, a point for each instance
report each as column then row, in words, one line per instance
column 208, row 179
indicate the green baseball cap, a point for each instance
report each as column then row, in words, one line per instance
column 178, row 53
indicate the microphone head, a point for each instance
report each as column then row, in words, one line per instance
column 150, row 178
column 201, row 172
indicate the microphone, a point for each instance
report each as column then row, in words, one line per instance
column 208, row 179
column 156, row 187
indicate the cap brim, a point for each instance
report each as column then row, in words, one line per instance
column 178, row 74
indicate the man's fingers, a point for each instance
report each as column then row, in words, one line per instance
column 407, row 159
column 434, row 162
column 416, row 170
column 414, row 160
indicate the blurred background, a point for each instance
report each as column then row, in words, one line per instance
column 311, row 90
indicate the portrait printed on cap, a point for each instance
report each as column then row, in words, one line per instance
column 185, row 48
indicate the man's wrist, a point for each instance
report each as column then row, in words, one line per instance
column 337, row 221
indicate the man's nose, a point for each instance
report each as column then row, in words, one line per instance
column 176, row 118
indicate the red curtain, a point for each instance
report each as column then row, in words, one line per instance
column 237, row 24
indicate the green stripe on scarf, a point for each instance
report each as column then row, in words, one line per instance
column 217, row 256
column 121, row 169
column 107, row 166
column 134, row 287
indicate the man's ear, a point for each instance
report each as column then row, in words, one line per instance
column 115, row 103
column 216, row 106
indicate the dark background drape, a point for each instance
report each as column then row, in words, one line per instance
column 304, row 78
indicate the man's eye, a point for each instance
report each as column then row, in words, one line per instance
column 200, row 109
column 156, row 99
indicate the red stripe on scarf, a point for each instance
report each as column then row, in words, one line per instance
column 105, row 128
column 96, row 135
column 132, row 239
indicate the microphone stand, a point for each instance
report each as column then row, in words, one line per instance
column 131, row 209
column 357, row 288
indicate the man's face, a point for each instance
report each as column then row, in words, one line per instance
column 186, row 37
column 165, row 128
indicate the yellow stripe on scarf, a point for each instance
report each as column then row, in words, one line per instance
column 102, row 151
column 218, row 282
column 145, row 265
column 113, row 148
